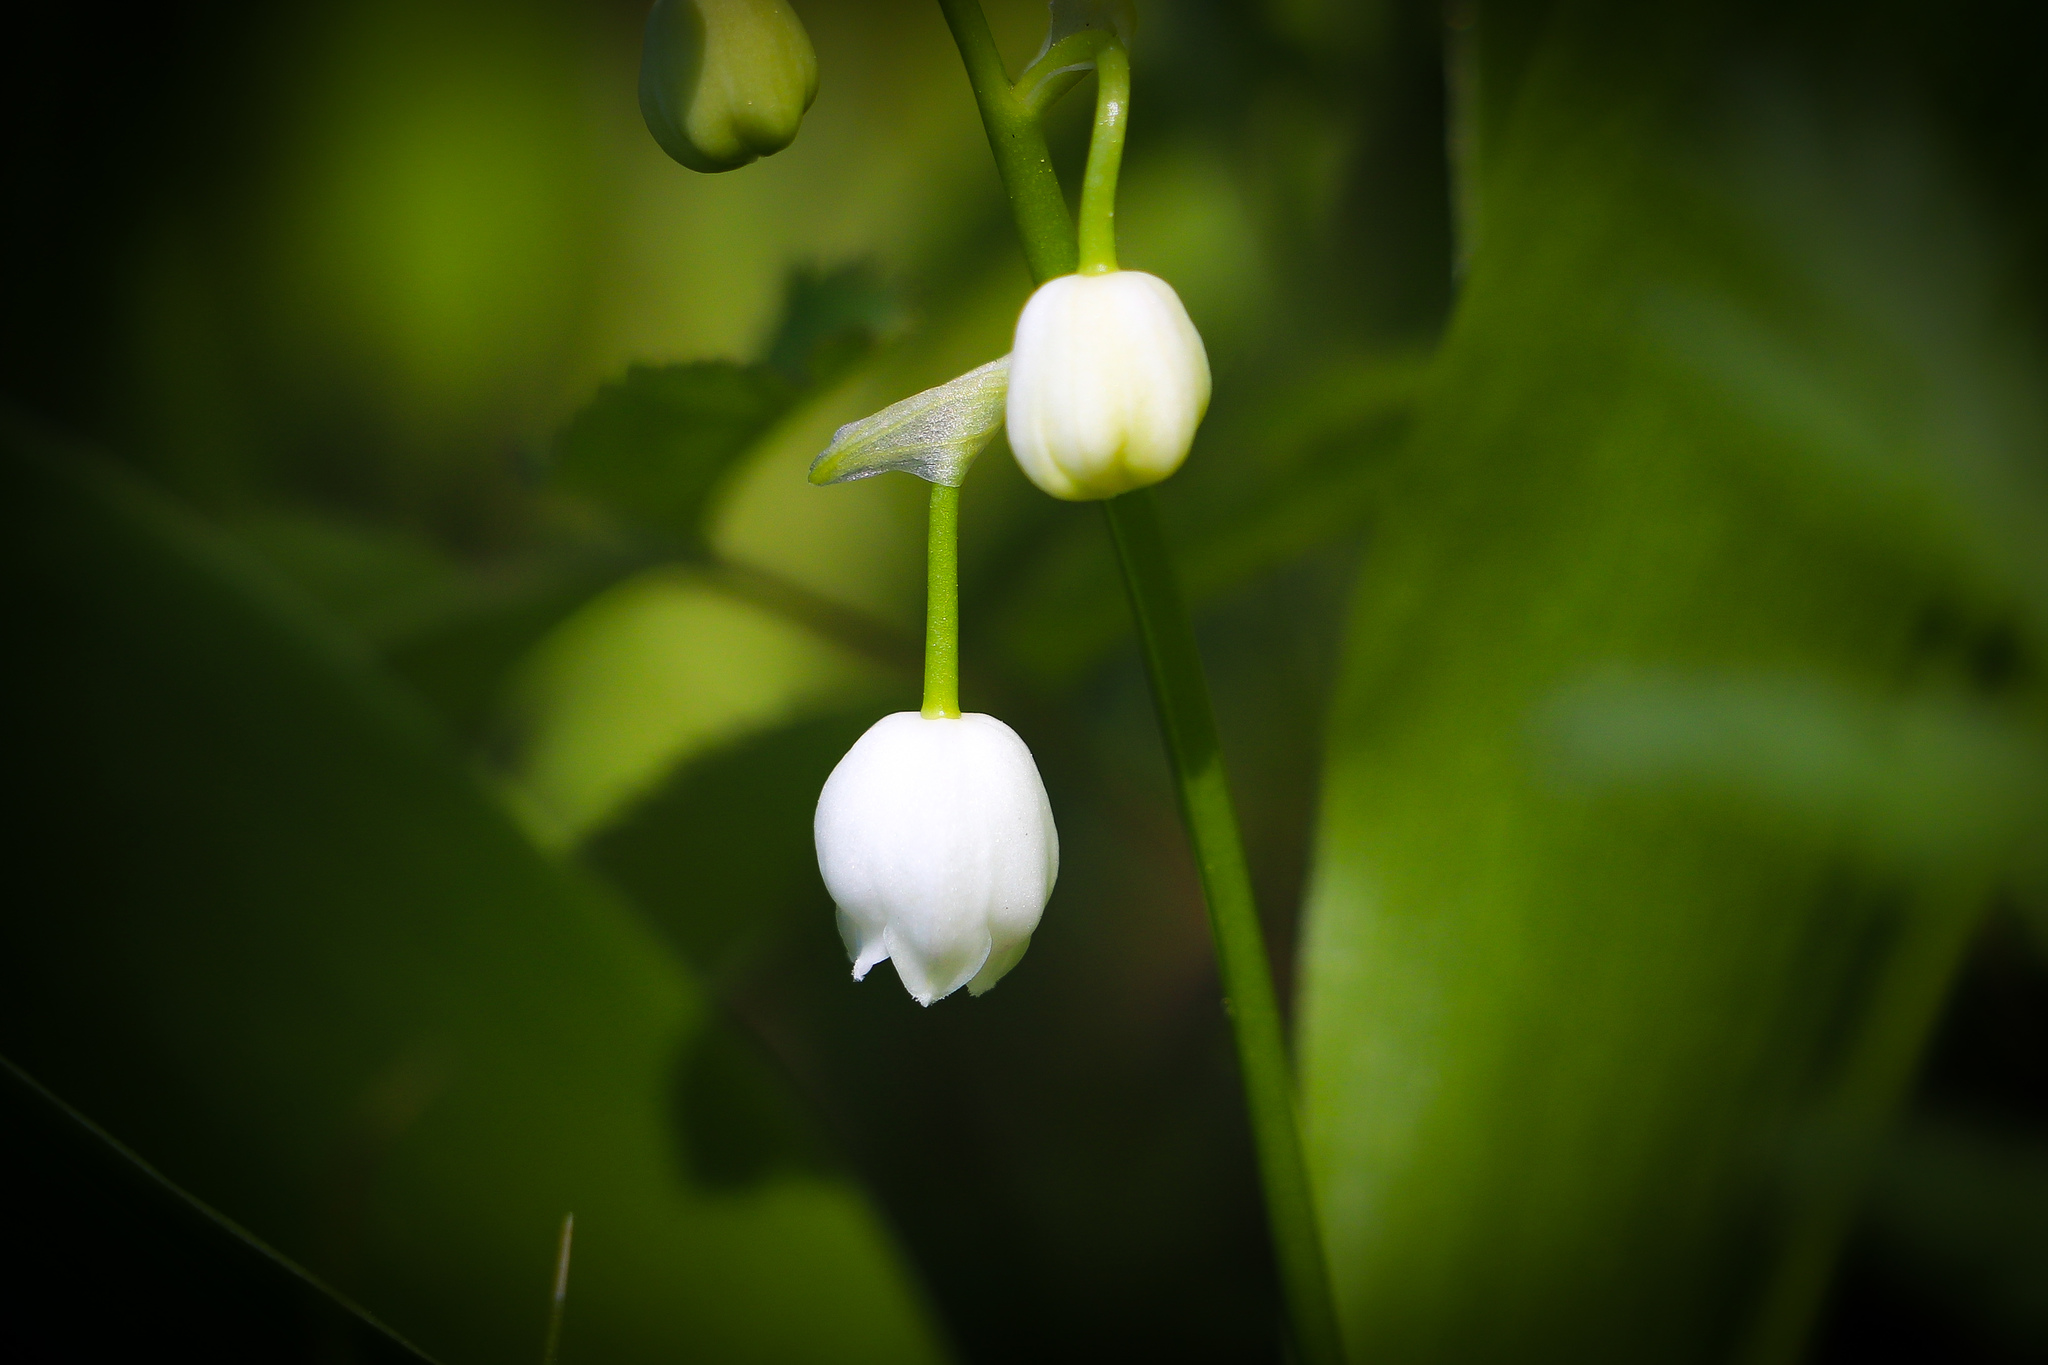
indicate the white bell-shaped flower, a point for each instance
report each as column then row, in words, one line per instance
column 1108, row 381
column 936, row 841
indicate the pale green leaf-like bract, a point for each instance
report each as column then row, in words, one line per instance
column 934, row 435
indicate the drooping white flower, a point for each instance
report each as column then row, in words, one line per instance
column 725, row 82
column 936, row 841
column 1108, row 381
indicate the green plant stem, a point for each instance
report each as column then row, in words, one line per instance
column 942, row 606
column 1105, row 159
column 1018, row 140
column 1180, row 694
column 1906, row 1003
column 553, row 1346
column 1462, row 129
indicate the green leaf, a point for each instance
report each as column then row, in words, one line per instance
column 382, row 585
column 741, row 1126
column 722, row 854
column 1917, row 783
column 1943, row 442
column 1554, row 1041
column 934, row 435
column 453, row 631
column 462, row 665
column 655, row 446
column 655, row 670
column 285, row 947
column 831, row 319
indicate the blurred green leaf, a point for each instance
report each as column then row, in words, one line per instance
column 831, row 319
column 1908, row 390
column 453, row 630
column 383, row 585
column 722, row 852
column 462, row 664
column 1919, row 783
column 654, row 446
column 665, row 665
column 285, row 947
column 1553, row 1044
column 740, row 1122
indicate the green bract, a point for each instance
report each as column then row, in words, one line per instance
column 934, row 435
column 725, row 82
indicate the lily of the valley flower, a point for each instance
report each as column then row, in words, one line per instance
column 936, row 841
column 1108, row 381
column 724, row 82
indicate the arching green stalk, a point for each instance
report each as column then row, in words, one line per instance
column 1017, row 139
column 1180, row 692
column 942, row 606
column 1105, row 158
column 553, row 1346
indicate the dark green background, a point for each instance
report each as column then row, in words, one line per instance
column 1620, row 547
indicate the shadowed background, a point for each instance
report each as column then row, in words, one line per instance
column 1620, row 547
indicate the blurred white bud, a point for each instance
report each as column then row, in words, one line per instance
column 724, row 82
column 936, row 841
column 1108, row 380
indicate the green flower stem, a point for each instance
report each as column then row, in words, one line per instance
column 1105, row 158
column 1018, row 141
column 1463, row 111
column 553, row 1346
column 942, row 606
column 1180, row 694
column 1906, row 1001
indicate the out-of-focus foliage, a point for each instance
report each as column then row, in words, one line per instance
column 655, row 444
column 324, row 982
column 1655, row 820
column 424, row 721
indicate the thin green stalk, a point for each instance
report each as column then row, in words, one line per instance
column 1906, row 1003
column 1105, row 158
column 1462, row 128
column 561, row 1299
column 1180, row 694
column 1018, row 140
column 942, row 606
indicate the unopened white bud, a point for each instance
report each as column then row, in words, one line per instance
column 936, row 841
column 1108, row 381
